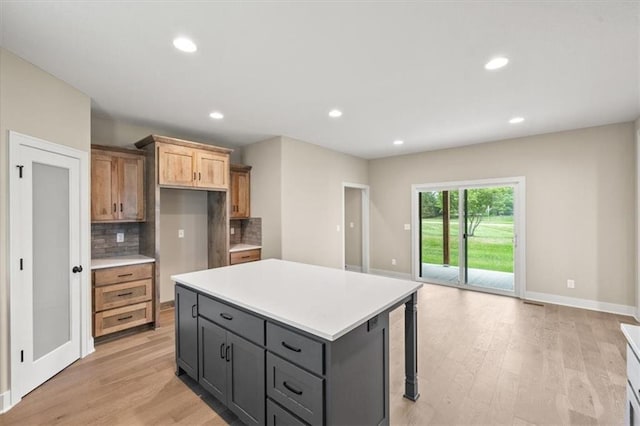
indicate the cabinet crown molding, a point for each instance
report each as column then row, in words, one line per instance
column 174, row 141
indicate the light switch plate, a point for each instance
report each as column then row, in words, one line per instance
column 180, row 233
column 233, row 231
column 407, row 227
column 120, row 237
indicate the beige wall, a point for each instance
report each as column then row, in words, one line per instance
column 312, row 192
column 37, row 104
column 187, row 210
column 265, row 158
column 353, row 235
column 580, row 206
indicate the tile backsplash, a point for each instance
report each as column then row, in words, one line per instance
column 103, row 239
column 247, row 231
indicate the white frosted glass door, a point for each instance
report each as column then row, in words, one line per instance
column 51, row 272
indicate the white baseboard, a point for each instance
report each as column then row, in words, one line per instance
column 592, row 305
column 5, row 401
column 391, row 274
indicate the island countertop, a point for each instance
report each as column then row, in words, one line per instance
column 325, row 302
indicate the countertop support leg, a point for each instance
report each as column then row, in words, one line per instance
column 411, row 348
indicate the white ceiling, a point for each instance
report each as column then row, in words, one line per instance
column 398, row 70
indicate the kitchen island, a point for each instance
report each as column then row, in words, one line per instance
column 287, row 343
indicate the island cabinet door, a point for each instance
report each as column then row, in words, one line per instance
column 246, row 380
column 186, row 303
column 215, row 355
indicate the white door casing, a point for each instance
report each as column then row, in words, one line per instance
column 365, row 223
column 44, row 245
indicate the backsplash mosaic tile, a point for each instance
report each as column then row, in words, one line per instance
column 247, row 231
column 103, row 239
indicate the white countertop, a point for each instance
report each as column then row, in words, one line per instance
column 242, row 247
column 325, row 302
column 110, row 262
column 632, row 333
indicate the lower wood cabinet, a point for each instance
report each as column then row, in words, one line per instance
column 122, row 298
column 244, row 256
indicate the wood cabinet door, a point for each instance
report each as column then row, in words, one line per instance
column 240, row 200
column 104, row 193
column 176, row 165
column 131, row 188
column 246, row 380
column 212, row 170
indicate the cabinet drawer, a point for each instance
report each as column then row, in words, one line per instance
column 633, row 370
column 295, row 389
column 122, row 318
column 278, row 416
column 241, row 323
column 295, row 347
column 116, row 295
column 123, row 274
column 244, row 256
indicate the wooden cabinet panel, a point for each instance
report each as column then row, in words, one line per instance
column 212, row 169
column 116, row 295
column 244, row 256
column 104, row 193
column 123, row 274
column 186, row 310
column 240, row 192
column 176, row 165
column 119, row 319
column 117, row 186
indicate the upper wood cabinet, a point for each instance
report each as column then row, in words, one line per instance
column 117, row 185
column 240, row 191
column 189, row 164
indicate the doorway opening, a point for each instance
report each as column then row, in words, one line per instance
column 355, row 224
column 469, row 234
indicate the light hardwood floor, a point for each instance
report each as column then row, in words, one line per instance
column 483, row 359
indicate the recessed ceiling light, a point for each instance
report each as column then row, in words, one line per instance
column 184, row 44
column 216, row 115
column 516, row 120
column 398, row 142
column 496, row 63
column 335, row 113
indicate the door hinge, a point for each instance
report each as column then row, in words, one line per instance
column 20, row 171
column 21, row 356
column 21, row 264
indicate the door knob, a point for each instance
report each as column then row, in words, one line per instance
column 77, row 269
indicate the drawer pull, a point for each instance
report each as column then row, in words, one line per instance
column 125, row 275
column 222, row 350
column 291, row 388
column 226, row 316
column 125, row 318
column 226, row 353
column 129, row 293
column 291, row 348
column 246, row 257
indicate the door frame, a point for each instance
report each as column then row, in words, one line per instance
column 364, row 190
column 86, row 339
column 519, row 226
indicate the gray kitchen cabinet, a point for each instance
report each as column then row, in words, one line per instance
column 186, row 310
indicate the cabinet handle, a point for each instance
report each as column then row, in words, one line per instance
column 194, row 313
column 114, row 208
column 199, row 176
column 226, row 316
column 125, row 294
column 120, row 207
column 222, row 351
column 125, row 318
column 194, row 175
column 125, row 275
column 291, row 348
column 291, row 388
column 246, row 257
column 226, row 353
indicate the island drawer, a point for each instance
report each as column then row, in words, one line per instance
column 122, row 318
column 122, row 274
column 295, row 347
column 246, row 325
column 277, row 416
column 295, row 389
column 116, row 295
column 244, row 256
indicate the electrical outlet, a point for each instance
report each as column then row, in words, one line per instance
column 407, row 227
column 571, row 284
column 120, row 237
column 351, row 225
column 338, row 228
column 233, row 231
column 393, row 261
column 180, row 233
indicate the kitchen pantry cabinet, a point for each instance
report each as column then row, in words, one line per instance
column 185, row 166
column 228, row 366
column 240, row 191
column 117, row 185
column 122, row 298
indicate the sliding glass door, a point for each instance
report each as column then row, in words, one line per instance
column 467, row 236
